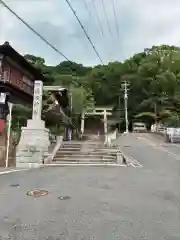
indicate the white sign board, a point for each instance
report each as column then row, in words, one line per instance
column 37, row 100
column 2, row 97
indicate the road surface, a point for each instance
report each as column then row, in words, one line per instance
column 103, row 203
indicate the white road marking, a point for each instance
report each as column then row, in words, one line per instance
column 159, row 147
column 150, row 140
column 174, row 144
column 13, row 170
column 83, row 164
column 134, row 162
column 131, row 160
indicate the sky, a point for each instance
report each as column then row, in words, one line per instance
column 141, row 24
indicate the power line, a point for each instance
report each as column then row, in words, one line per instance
column 115, row 18
column 105, row 13
column 86, row 6
column 84, row 30
column 100, row 25
column 32, row 29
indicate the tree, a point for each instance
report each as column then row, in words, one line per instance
column 20, row 114
column 35, row 61
column 81, row 99
column 153, row 75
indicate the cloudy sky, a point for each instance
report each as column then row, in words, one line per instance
column 142, row 23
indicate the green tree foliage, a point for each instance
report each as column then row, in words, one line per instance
column 153, row 75
column 81, row 99
column 20, row 114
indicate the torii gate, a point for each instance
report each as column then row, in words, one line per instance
column 98, row 111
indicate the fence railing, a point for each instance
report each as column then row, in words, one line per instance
column 109, row 138
column 55, row 147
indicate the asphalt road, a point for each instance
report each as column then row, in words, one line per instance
column 105, row 203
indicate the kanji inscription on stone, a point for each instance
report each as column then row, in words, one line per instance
column 37, row 102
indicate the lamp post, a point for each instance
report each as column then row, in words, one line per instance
column 71, row 109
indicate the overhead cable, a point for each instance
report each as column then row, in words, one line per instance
column 33, row 30
column 115, row 18
column 105, row 13
column 86, row 6
column 84, row 30
column 97, row 16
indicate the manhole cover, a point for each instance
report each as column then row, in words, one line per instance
column 63, row 197
column 37, row 193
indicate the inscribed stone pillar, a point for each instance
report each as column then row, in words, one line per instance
column 37, row 101
column 34, row 141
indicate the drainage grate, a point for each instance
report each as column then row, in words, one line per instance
column 64, row 197
column 37, row 193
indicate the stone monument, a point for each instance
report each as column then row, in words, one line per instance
column 34, row 141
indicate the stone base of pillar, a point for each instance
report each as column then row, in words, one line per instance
column 33, row 144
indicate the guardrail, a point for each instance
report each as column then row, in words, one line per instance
column 50, row 156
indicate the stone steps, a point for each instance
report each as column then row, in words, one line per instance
column 72, row 164
column 91, row 158
column 85, row 152
column 61, row 154
column 69, row 161
column 70, row 149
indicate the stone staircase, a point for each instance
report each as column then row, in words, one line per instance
column 86, row 152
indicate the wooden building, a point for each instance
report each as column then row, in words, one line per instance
column 17, row 75
column 17, row 78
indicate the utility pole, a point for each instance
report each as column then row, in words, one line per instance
column 125, row 86
column 119, row 111
column 71, row 109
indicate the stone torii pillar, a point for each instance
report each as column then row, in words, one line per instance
column 34, row 141
column 105, row 122
column 105, row 112
column 82, row 123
